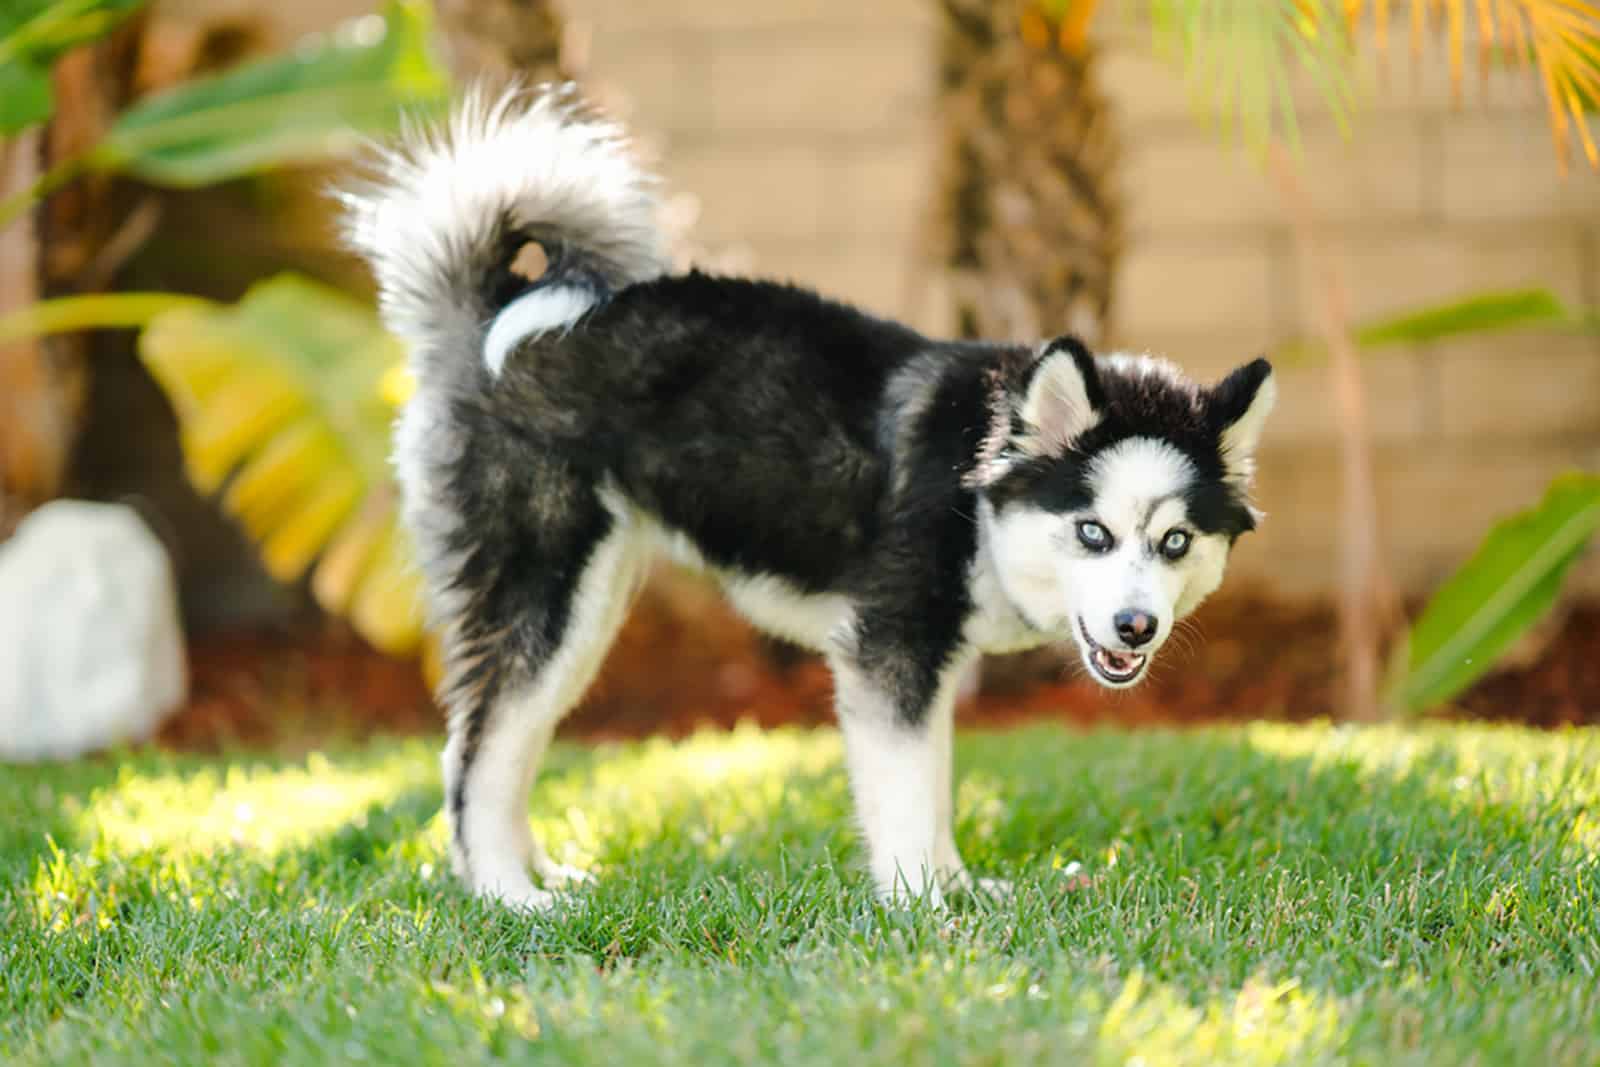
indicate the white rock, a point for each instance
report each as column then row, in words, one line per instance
column 91, row 649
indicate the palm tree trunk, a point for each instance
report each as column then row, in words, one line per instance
column 37, row 402
column 497, row 40
column 66, row 245
column 1029, row 225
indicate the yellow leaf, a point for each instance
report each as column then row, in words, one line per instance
column 345, row 563
column 295, row 542
column 188, row 362
column 290, row 463
column 242, row 411
column 1034, row 28
column 1561, row 38
column 398, row 385
column 387, row 609
column 1074, row 33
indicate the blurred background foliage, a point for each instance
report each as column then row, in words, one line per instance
column 279, row 397
column 284, row 388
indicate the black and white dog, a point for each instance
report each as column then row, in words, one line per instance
column 897, row 503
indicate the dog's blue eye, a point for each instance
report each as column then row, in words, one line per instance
column 1094, row 536
column 1175, row 544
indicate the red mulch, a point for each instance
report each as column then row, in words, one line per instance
column 1247, row 658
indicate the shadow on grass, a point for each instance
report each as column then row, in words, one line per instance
column 41, row 804
column 1217, row 849
column 1223, row 868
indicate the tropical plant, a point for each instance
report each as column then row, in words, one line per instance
column 284, row 400
column 284, row 404
column 1515, row 576
column 33, row 33
column 1242, row 56
column 1508, row 584
column 283, row 110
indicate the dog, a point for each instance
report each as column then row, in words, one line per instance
column 899, row 504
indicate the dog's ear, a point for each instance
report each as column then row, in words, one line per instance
column 1239, row 406
column 1063, row 397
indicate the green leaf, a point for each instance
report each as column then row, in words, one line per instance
column 1482, row 312
column 40, row 30
column 1478, row 313
column 307, row 105
column 25, row 96
column 1509, row 582
column 32, row 34
column 334, row 349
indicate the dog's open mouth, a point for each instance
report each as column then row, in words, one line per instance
column 1114, row 668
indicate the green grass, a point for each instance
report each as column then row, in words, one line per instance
column 1260, row 895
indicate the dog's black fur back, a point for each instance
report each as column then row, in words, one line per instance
column 744, row 414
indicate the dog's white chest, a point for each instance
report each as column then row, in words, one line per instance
column 995, row 626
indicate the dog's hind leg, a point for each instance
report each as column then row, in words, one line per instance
column 531, row 640
column 948, row 866
column 946, row 860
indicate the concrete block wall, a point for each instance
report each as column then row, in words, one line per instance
column 805, row 130
column 802, row 129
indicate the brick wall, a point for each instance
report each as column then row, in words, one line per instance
column 805, row 131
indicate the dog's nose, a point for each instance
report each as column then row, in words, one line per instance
column 1135, row 627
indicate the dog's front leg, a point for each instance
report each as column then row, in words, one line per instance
column 897, row 750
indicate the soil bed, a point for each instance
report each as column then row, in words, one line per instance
column 1245, row 658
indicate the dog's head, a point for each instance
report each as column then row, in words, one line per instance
column 1112, row 494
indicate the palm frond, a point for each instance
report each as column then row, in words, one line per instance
column 1241, row 58
column 1561, row 38
column 1072, row 19
column 1241, row 55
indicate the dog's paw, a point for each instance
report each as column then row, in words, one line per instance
column 900, row 894
column 995, row 888
column 529, row 900
column 900, row 898
column 561, row 876
column 516, row 893
column 962, row 880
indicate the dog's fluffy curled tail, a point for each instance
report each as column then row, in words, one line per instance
column 451, row 207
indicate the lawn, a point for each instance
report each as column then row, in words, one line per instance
column 1267, row 894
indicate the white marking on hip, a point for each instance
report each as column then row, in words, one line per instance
column 529, row 315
